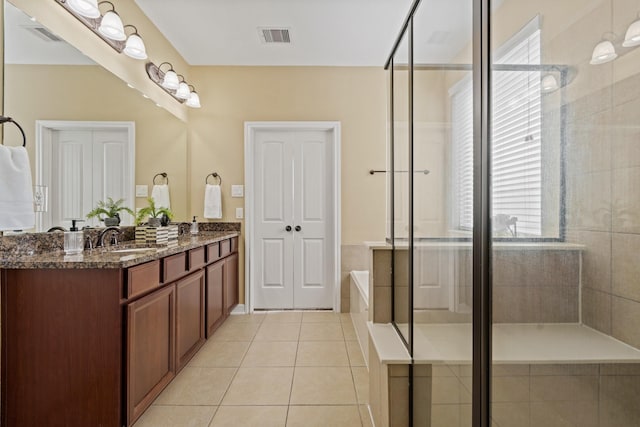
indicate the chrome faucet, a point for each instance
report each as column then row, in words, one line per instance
column 104, row 232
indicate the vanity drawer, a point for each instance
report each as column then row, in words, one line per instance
column 142, row 278
column 174, row 267
column 234, row 244
column 225, row 248
column 213, row 252
column 196, row 258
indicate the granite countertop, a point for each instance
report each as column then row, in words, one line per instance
column 108, row 258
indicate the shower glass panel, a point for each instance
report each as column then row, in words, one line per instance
column 565, row 172
column 400, row 149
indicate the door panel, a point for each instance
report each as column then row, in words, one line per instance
column 215, row 302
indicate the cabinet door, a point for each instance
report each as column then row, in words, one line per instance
column 189, row 317
column 151, row 351
column 215, row 303
column 230, row 282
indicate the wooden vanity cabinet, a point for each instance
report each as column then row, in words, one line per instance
column 230, row 283
column 190, row 307
column 215, row 302
column 150, row 351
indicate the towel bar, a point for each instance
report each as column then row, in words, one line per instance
column 162, row 174
column 215, row 175
column 371, row 171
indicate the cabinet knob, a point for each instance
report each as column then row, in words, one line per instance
column 298, row 228
column 288, row 228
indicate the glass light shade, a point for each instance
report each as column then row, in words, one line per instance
column 170, row 80
column 135, row 47
column 549, row 84
column 632, row 37
column 603, row 53
column 183, row 91
column 193, row 101
column 111, row 27
column 86, row 8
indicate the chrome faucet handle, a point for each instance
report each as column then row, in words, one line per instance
column 89, row 243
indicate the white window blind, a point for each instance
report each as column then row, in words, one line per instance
column 516, row 169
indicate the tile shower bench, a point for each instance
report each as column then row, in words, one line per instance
column 91, row 340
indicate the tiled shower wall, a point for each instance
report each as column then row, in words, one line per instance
column 603, row 205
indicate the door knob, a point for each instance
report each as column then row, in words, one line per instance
column 288, row 228
column 298, row 228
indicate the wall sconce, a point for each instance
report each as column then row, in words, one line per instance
column 174, row 84
column 85, row 12
column 604, row 51
column 134, row 47
column 549, row 83
column 111, row 25
column 86, row 8
column 632, row 36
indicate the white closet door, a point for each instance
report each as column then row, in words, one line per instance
column 293, row 255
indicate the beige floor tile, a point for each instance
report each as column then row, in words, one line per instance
column 260, row 386
column 197, row 386
column 263, row 416
column 220, row 354
column 246, row 318
column 323, row 416
column 271, row 353
column 355, row 353
column 236, row 331
column 361, row 380
column 323, row 386
column 321, row 332
column 349, row 331
column 320, row 317
column 176, row 416
column 278, row 332
column 322, row 353
column 345, row 317
column 365, row 416
column 283, row 316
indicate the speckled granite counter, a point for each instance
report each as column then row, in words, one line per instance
column 108, row 258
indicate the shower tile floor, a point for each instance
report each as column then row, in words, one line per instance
column 275, row 369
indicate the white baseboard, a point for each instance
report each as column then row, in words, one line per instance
column 238, row 309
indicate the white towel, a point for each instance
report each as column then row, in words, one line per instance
column 16, row 192
column 212, row 202
column 160, row 195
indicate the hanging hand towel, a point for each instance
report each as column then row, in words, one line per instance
column 160, row 195
column 16, row 192
column 212, row 202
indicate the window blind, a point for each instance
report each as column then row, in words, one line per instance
column 516, row 154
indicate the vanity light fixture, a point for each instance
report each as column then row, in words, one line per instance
column 111, row 25
column 183, row 91
column 170, row 80
column 632, row 36
column 86, row 8
column 134, row 47
column 194, row 98
column 604, row 51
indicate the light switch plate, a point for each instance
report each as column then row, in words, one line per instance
column 142, row 191
column 237, row 191
column 239, row 213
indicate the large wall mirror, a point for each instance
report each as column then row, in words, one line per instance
column 89, row 135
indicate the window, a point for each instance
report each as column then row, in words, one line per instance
column 516, row 140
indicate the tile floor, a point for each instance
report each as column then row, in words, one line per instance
column 275, row 369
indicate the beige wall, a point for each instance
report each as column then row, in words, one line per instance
column 354, row 96
column 55, row 92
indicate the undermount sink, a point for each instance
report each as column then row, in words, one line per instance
column 121, row 251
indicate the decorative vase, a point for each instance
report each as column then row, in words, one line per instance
column 155, row 222
column 112, row 222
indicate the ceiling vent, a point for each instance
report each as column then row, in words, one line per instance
column 42, row 33
column 274, row 35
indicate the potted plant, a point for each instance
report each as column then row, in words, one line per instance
column 111, row 211
column 157, row 215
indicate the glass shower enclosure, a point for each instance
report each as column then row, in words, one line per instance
column 514, row 159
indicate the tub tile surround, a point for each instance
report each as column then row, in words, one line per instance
column 603, row 156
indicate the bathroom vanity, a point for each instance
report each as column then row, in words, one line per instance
column 92, row 340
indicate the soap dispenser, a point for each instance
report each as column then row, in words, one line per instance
column 73, row 239
column 194, row 227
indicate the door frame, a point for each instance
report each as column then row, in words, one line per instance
column 250, row 129
column 44, row 130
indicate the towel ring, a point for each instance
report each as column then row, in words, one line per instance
column 215, row 175
column 4, row 120
column 162, row 174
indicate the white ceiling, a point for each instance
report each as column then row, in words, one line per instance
column 323, row 32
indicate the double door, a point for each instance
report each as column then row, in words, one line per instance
column 294, row 253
